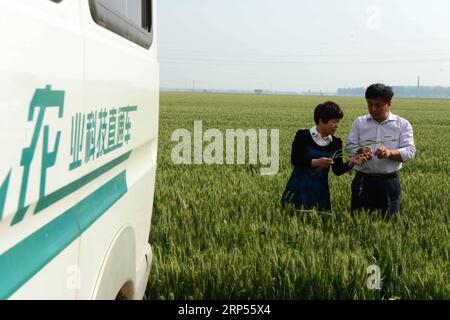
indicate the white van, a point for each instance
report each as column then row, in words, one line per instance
column 79, row 108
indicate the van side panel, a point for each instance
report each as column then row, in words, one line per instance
column 41, row 79
column 122, row 75
column 78, row 138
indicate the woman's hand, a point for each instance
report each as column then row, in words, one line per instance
column 322, row 162
column 356, row 160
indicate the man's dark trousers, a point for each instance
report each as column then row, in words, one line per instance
column 376, row 192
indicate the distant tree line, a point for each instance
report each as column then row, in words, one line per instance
column 403, row 92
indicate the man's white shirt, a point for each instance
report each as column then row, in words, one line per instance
column 393, row 133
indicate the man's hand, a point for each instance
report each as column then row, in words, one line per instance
column 322, row 162
column 383, row 152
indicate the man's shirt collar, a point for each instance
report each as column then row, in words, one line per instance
column 391, row 117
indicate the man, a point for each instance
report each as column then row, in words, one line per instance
column 384, row 141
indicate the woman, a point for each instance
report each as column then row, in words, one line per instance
column 314, row 151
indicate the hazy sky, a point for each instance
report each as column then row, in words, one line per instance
column 302, row 44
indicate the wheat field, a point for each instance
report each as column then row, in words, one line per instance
column 219, row 232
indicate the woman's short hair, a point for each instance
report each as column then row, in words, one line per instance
column 326, row 111
column 379, row 91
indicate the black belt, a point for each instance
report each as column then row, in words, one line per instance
column 378, row 175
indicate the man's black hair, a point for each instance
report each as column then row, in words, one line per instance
column 326, row 111
column 379, row 91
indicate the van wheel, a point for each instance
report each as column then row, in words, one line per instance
column 126, row 293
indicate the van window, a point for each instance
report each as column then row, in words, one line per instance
column 131, row 19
